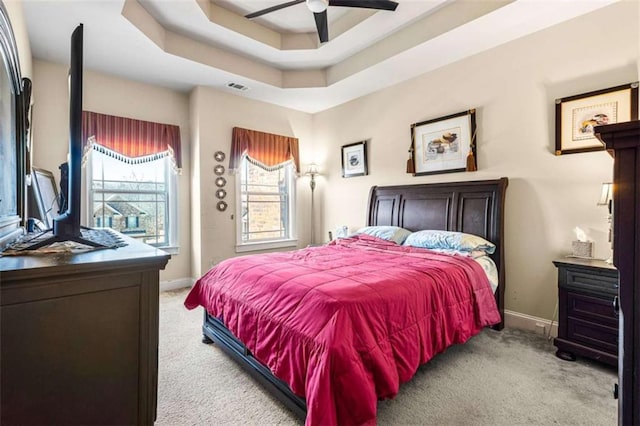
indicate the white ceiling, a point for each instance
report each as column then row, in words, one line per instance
column 181, row 44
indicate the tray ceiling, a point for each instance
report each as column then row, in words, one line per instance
column 185, row 43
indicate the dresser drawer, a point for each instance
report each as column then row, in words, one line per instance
column 592, row 308
column 601, row 283
column 594, row 335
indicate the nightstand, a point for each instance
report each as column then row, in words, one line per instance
column 587, row 319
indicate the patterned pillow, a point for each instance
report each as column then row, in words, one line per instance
column 432, row 239
column 389, row 233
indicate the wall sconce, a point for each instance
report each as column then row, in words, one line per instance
column 607, row 194
column 312, row 171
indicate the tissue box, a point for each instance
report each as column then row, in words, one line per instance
column 582, row 248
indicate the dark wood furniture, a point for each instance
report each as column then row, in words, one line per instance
column 587, row 320
column 475, row 207
column 79, row 336
column 622, row 140
column 15, row 99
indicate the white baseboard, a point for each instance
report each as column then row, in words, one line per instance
column 177, row 283
column 530, row 323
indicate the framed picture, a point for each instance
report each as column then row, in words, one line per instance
column 576, row 116
column 354, row 159
column 445, row 144
column 44, row 202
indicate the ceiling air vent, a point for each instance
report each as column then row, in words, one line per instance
column 237, row 86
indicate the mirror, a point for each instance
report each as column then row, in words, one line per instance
column 12, row 137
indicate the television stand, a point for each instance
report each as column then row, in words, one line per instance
column 79, row 336
column 96, row 238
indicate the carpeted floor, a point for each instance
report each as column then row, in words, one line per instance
column 496, row 378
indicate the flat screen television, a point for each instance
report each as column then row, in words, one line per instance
column 66, row 227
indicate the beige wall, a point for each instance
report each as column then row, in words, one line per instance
column 213, row 116
column 513, row 88
column 111, row 95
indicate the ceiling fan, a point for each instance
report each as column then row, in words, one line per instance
column 319, row 9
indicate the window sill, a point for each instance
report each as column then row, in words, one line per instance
column 170, row 250
column 267, row 245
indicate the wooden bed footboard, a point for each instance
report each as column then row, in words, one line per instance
column 213, row 330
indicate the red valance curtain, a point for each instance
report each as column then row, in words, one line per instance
column 132, row 141
column 266, row 149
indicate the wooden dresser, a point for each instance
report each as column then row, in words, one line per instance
column 587, row 319
column 622, row 140
column 79, row 336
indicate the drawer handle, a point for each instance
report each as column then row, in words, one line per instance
column 616, row 305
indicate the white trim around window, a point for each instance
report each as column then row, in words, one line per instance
column 291, row 241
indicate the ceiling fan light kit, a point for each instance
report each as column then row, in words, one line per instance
column 317, row 6
column 319, row 9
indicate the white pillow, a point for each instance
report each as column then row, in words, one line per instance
column 437, row 239
column 389, row 233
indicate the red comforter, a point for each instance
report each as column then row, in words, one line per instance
column 345, row 324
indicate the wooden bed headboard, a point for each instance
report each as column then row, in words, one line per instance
column 474, row 207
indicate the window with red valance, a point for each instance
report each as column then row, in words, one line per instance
column 132, row 177
column 132, row 141
column 265, row 166
column 267, row 150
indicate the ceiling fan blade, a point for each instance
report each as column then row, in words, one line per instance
column 366, row 4
column 322, row 26
column 273, row 9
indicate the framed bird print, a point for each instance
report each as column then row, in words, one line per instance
column 576, row 116
column 445, row 144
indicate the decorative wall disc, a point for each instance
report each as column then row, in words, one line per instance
column 219, row 170
column 222, row 206
column 219, row 156
column 221, row 193
column 220, row 181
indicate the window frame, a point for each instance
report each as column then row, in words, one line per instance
column 171, row 180
column 291, row 240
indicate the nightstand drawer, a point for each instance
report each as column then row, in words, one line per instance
column 592, row 334
column 587, row 321
column 592, row 308
column 591, row 281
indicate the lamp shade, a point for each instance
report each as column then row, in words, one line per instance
column 317, row 6
column 607, row 194
column 312, row 169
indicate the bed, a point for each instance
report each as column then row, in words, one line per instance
column 297, row 338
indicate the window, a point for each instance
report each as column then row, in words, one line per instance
column 102, row 221
column 132, row 221
column 134, row 199
column 266, row 206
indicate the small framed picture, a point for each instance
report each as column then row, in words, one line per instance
column 445, row 144
column 354, row 159
column 576, row 116
column 44, row 199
